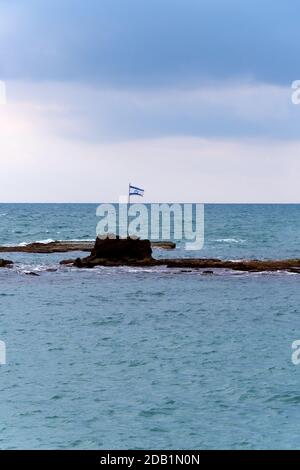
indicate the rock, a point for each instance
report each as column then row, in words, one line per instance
column 66, row 245
column 51, row 247
column 117, row 252
column 136, row 252
column 164, row 245
column 245, row 265
column 295, row 270
column 78, row 263
column 67, row 261
column 119, row 248
column 31, row 273
column 5, row 263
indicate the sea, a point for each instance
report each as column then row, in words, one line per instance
column 150, row 358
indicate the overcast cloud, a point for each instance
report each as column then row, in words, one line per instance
column 188, row 98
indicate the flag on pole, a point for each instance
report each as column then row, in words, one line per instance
column 134, row 191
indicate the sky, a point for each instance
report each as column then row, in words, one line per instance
column 189, row 99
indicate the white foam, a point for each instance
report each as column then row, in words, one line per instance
column 229, row 240
column 51, row 240
column 48, row 240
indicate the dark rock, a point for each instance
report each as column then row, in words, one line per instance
column 51, row 247
column 120, row 249
column 136, row 252
column 65, row 246
column 78, row 263
column 245, row 265
column 164, row 245
column 67, row 261
column 5, row 263
column 295, row 270
column 117, row 252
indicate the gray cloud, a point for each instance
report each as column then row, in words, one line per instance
column 96, row 114
column 149, row 43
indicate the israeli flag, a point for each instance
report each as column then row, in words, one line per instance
column 134, row 191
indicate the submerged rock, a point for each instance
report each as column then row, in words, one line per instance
column 295, row 270
column 5, row 263
column 68, row 261
column 253, row 265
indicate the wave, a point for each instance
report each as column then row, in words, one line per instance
column 48, row 240
column 229, row 240
column 51, row 240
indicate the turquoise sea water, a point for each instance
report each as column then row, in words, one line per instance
column 150, row 358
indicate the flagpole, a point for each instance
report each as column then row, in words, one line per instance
column 128, row 207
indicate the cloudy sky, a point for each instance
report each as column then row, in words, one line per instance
column 190, row 99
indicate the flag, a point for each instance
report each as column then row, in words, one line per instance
column 134, row 191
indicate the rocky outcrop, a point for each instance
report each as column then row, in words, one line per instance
column 65, row 246
column 118, row 252
column 51, row 247
column 5, row 263
column 291, row 265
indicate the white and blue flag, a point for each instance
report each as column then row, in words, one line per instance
column 134, row 191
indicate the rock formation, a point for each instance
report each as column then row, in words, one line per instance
column 118, row 252
column 291, row 265
column 65, row 246
column 5, row 263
